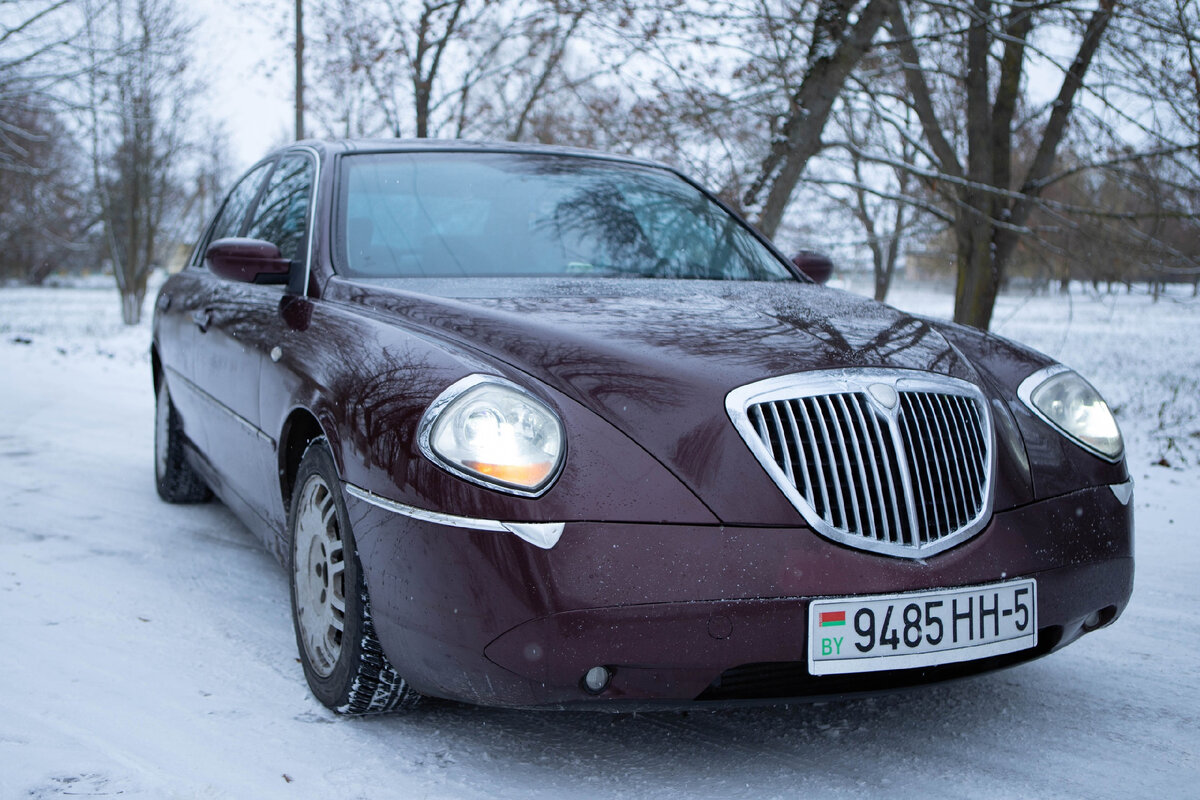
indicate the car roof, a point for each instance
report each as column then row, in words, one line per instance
column 333, row 147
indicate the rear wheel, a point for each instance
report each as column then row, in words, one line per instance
column 177, row 482
column 342, row 659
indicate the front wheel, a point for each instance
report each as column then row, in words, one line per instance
column 342, row 659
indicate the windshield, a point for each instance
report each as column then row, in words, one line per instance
column 507, row 215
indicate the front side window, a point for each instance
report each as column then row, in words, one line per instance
column 508, row 215
column 233, row 213
column 281, row 216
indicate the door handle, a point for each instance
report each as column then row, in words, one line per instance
column 202, row 319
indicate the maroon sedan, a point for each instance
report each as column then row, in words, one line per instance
column 538, row 427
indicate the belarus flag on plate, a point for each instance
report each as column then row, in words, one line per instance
column 830, row 618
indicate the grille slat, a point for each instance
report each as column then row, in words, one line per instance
column 890, row 492
column 831, row 470
column 878, row 503
column 963, row 496
column 934, row 429
column 756, row 416
column 837, row 413
column 892, row 501
column 940, row 479
column 783, row 443
column 800, row 454
column 896, row 478
column 973, row 426
column 919, row 473
column 823, row 508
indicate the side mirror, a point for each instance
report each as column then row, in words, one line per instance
column 815, row 265
column 248, row 261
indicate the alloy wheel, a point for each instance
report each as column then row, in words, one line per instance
column 319, row 565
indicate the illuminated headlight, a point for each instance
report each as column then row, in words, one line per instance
column 1069, row 403
column 491, row 431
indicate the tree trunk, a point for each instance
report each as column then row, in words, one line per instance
column 421, row 94
column 882, row 278
column 978, row 280
column 878, row 259
column 1016, row 212
column 832, row 56
column 988, row 221
column 431, row 45
column 132, row 298
column 883, row 284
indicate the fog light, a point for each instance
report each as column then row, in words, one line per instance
column 1091, row 623
column 596, row 679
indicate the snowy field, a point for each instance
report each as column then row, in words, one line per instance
column 147, row 650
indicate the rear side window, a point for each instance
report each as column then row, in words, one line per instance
column 281, row 217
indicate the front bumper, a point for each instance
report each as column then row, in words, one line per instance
column 682, row 614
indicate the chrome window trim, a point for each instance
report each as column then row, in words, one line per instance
column 1025, row 395
column 312, row 212
column 452, row 393
column 832, row 382
column 541, row 534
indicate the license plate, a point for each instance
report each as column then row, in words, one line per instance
column 920, row 629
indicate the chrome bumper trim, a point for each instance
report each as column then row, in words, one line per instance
column 541, row 534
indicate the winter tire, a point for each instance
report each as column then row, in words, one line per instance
column 177, row 482
column 342, row 659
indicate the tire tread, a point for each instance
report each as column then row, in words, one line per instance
column 180, row 483
column 371, row 685
column 377, row 687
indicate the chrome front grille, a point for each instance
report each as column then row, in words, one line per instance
column 888, row 461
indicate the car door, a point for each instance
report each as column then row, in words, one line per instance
column 245, row 321
column 185, row 312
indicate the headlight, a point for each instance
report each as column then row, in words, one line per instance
column 490, row 431
column 1069, row 403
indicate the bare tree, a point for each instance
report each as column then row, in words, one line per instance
column 842, row 32
column 996, row 154
column 1148, row 229
column 35, row 63
column 866, row 167
column 43, row 218
column 744, row 88
column 885, row 218
column 139, row 95
column 1154, row 64
column 441, row 67
column 982, row 69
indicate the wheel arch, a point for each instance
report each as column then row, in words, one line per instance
column 299, row 430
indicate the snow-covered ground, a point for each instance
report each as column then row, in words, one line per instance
column 146, row 650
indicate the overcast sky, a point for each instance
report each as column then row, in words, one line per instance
column 243, row 50
column 247, row 65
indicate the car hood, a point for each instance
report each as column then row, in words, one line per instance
column 657, row 358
